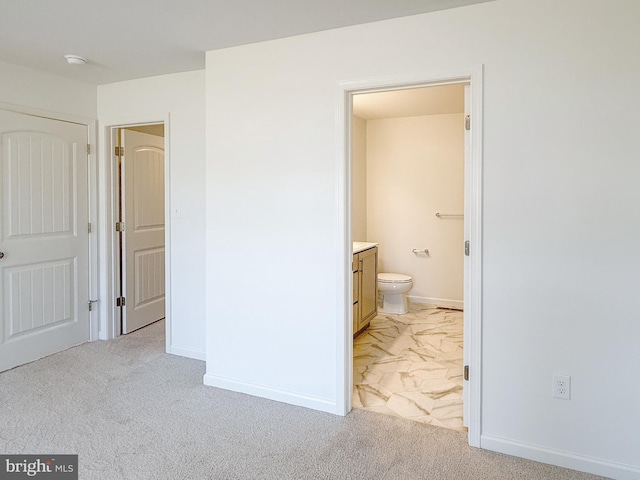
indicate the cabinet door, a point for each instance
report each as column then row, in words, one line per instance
column 356, row 315
column 356, row 293
column 356, row 287
column 368, row 286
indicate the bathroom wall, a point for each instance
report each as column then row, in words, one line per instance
column 358, row 179
column 415, row 168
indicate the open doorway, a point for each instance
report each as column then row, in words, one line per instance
column 472, row 78
column 407, row 192
column 140, row 225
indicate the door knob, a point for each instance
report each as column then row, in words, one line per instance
column 1, row 254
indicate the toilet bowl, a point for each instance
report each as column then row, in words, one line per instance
column 393, row 288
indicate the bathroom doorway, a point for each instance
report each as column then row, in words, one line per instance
column 407, row 152
column 427, row 302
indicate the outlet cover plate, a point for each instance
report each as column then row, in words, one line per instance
column 562, row 387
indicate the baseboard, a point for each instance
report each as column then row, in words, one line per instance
column 188, row 352
column 440, row 302
column 560, row 458
column 270, row 393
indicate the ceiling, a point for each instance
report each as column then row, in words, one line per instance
column 126, row 39
column 436, row 100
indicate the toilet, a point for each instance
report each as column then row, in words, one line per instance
column 394, row 287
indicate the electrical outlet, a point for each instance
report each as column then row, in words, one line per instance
column 562, row 387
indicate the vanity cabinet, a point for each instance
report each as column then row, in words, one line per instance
column 365, row 288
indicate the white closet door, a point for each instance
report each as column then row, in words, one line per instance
column 44, row 281
column 143, row 237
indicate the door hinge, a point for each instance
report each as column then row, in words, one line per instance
column 88, row 149
column 120, row 302
column 466, row 372
column 91, row 302
column 89, row 227
column 119, row 226
column 466, row 248
column 467, row 122
column 119, row 151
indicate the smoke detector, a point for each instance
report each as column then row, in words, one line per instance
column 75, row 60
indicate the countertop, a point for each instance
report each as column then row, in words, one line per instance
column 362, row 246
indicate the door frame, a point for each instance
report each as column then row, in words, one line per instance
column 92, row 194
column 108, row 243
column 473, row 230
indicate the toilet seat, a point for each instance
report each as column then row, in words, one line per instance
column 393, row 278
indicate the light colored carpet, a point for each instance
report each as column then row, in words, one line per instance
column 133, row 412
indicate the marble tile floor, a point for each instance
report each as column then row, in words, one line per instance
column 411, row 366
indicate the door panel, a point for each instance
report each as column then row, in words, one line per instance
column 44, row 271
column 143, row 237
column 51, row 282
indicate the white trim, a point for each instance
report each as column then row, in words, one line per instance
column 473, row 287
column 37, row 112
column 560, row 458
column 109, row 328
column 438, row 302
column 92, row 195
column 94, row 267
column 473, row 213
column 270, row 393
column 187, row 352
column 344, row 247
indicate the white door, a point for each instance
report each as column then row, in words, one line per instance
column 44, row 269
column 143, row 237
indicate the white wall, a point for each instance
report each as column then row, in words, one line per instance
column 561, row 264
column 358, row 179
column 26, row 87
column 415, row 167
column 182, row 97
